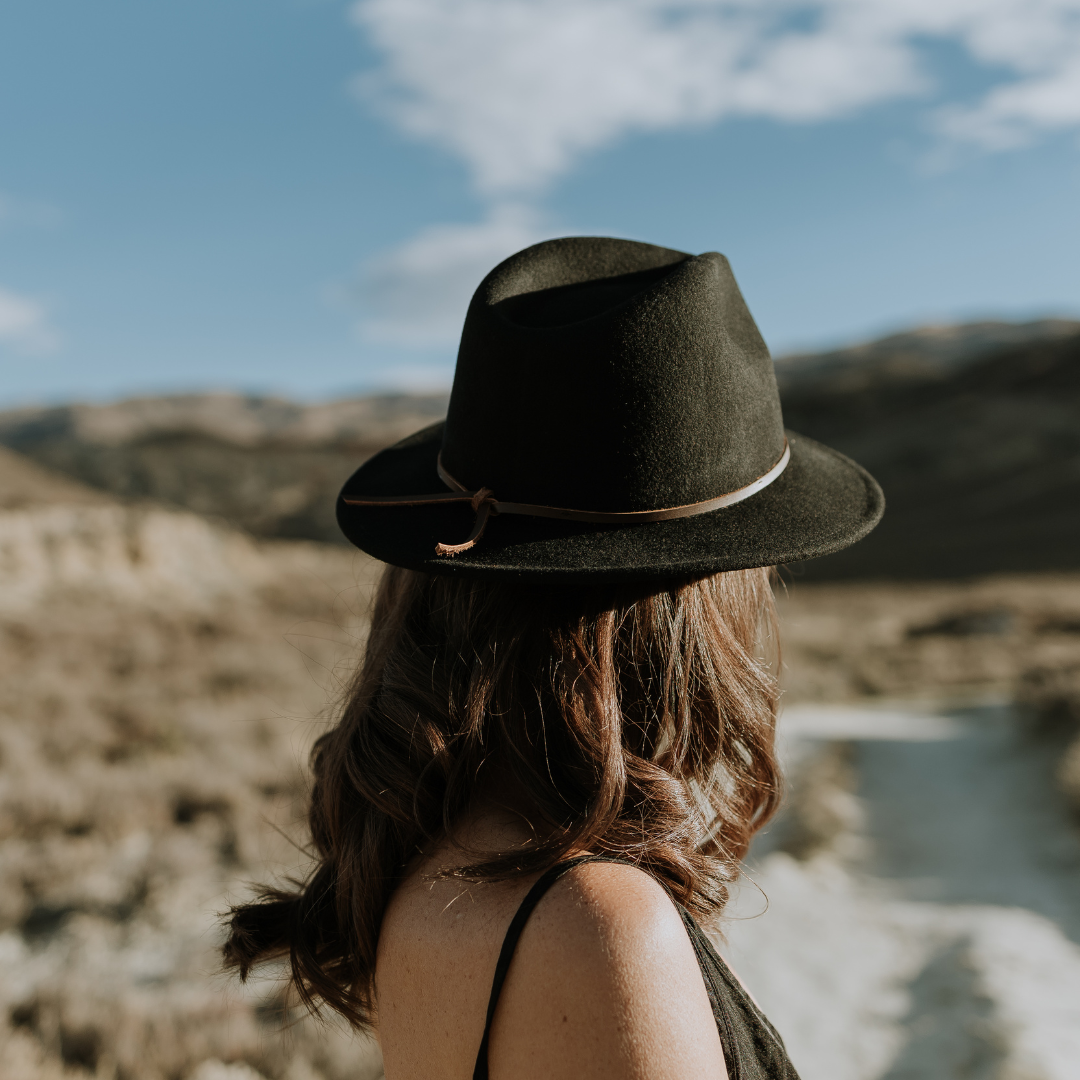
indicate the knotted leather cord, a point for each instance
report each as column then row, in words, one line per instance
column 485, row 505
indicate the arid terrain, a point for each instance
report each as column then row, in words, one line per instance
column 162, row 677
column 978, row 449
column 165, row 670
column 269, row 466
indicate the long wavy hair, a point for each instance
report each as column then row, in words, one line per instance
column 626, row 720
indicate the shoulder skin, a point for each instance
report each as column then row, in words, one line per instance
column 605, row 984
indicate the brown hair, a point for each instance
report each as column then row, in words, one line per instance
column 634, row 721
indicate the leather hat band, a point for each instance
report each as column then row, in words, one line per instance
column 485, row 505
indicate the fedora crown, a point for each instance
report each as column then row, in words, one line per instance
column 609, row 375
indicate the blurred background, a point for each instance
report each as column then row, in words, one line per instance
column 237, row 240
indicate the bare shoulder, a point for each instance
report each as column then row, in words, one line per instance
column 605, row 984
column 610, row 908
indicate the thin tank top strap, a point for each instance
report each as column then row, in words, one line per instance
column 752, row 1048
column 513, row 933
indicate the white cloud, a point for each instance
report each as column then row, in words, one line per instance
column 1014, row 115
column 520, row 88
column 416, row 294
column 24, row 325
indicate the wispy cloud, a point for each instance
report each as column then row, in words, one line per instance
column 416, row 295
column 518, row 89
column 24, row 324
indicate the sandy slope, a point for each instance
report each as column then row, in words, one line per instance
column 160, row 679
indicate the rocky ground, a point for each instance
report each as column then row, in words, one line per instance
column 163, row 675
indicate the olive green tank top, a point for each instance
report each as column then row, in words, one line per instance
column 752, row 1048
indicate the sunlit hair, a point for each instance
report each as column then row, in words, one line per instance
column 627, row 720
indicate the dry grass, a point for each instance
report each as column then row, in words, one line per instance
column 152, row 765
column 937, row 640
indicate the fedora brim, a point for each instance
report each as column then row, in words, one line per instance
column 821, row 503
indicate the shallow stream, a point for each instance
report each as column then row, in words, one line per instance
column 931, row 929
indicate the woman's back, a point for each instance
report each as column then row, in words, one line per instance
column 604, row 981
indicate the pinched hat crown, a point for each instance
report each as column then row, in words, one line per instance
column 614, row 410
column 646, row 381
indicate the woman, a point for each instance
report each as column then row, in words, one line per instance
column 560, row 741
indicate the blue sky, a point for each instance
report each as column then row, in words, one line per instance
column 298, row 196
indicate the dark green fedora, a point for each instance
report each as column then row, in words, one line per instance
column 614, row 417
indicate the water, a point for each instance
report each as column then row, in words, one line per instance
column 936, row 935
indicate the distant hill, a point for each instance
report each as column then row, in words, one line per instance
column 926, row 354
column 25, row 484
column 271, row 466
column 973, row 431
column 979, row 455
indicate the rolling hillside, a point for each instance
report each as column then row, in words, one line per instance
column 980, row 461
